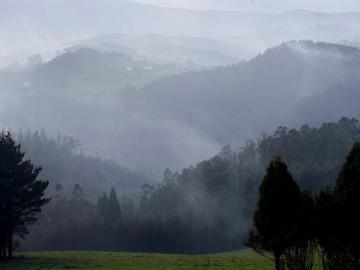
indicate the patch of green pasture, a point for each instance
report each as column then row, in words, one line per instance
column 239, row 260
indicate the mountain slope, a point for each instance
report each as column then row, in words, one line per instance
column 178, row 120
column 246, row 97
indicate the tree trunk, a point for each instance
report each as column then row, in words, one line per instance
column 2, row 248
column 277, row 261
column 10, row 247
column 356, row 261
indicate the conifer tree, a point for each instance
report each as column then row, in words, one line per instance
column 21, row 193
column 113, row 210
column 330, row 232
column 348, row 193
column 101, row 207
column 276, row 213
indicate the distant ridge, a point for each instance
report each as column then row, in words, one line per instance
column 48, row 26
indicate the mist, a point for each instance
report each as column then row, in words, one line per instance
column 156, row 119
column 263, row 6
column 96, row 73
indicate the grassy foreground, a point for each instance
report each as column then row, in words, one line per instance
column 241, row 260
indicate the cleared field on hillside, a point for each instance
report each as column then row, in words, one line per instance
column 241, row 260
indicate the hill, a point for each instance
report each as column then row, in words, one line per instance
column 86, row 71
column 186, row 117
column 289, row 74
column 65, row 165
column 291, row 84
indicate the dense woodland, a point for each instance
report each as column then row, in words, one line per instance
column 293, row 227
column 204, row 208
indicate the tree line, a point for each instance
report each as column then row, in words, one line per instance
column 205, row 208
column 290, row 225
column 118, row 223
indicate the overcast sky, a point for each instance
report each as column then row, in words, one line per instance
column 262, row 5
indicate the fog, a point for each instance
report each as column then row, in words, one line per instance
column 48, row 27
column 170, row 104
column 261, row 5
column 155, row 87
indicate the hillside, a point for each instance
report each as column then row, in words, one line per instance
column 186, row 117
column 256, row 94
column 86, row 71
column 232, row 104
column 64, row 163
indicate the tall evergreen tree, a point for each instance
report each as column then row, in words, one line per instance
column 276, row 214
column 113, row 210
column 22, row 193
column 348, row 192
column 302, row 237
column 102, row 207
column 330, row 232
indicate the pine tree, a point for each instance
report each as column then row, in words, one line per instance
column 21, row 193
column 276, row 213
column 348, row 192
column 102, row 207
column 113, row 210
column 330, row 232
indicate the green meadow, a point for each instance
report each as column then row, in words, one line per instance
column 240, row 260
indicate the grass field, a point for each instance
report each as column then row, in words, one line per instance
column 241, row 260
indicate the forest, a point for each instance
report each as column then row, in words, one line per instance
column 204, row 208
column 279, row 195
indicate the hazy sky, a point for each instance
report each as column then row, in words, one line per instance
column 262, row 5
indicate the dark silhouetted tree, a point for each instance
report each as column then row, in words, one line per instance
column 21, row 193
column 348, row 193
column 276, row 213
column 113, row 210
column 302, row 237
column 102, row 207
column 330, row 232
